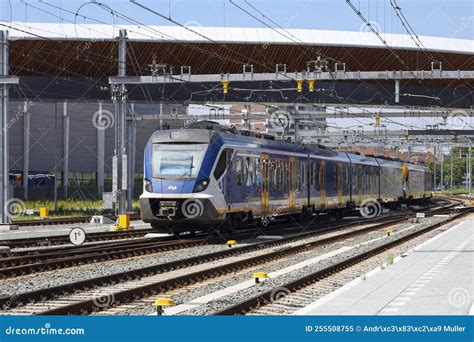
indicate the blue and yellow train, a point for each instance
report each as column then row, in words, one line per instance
column 207, row 179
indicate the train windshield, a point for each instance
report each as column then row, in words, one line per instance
column 177, row 161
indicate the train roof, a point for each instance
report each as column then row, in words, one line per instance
column 206, row 132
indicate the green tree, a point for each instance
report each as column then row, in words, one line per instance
column 458, row 158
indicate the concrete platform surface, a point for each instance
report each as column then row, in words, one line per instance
column 62, row 230
column 435, row 279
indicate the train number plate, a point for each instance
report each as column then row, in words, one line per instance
column 168, row 204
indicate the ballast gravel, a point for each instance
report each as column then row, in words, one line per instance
column 230, row 280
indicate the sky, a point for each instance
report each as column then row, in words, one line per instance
column 442, row 18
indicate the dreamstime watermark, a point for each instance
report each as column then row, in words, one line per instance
column 103, row 119
column 9, row 303
column 192, row 208
column 19, row 113
column 280, row 120
column 104, row 301
column 192, row 24
column 14, row 207
column 366, row 30
column 465, row 23
column 47, row 329
column 286, row 23
column 370, row 208
column 279, row 293
column 458, row 118
column 459, row 296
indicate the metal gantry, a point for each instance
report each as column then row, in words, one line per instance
column 394, row 75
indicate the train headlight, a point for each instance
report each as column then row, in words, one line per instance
column 201, row 185
column 148, row 186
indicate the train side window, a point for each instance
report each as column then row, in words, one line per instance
column 275, row 175
column 258, row 172
column 238, row 171
column 221, row 165
column 249, row 171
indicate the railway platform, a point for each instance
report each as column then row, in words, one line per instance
column 435, row 278
column 61, row 230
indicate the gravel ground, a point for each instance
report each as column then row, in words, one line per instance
column 213, row 306
column 36, row 281
column 245, row 275
column 68, row 275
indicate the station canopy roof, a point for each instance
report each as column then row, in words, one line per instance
column 44, row 49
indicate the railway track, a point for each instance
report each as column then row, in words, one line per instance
column 99, row 236
column 82, row 297
column 60, row 257
column 47, row 259
column 171, row 275
column 287, row 298
column 86, row 296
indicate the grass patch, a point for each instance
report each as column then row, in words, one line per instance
column 67, row 208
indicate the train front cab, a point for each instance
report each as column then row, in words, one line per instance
column 179, row 188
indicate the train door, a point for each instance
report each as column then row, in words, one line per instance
column 228, row 181
column 359, row 183
column 292, row 187
column 340, row 182
column 265, row 185
column 322, row 182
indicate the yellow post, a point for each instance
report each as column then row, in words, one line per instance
column 311, row 85
column 161, row 303
column 299, row 84
column 225, row 85
column 259, row 276
column 406, row 135
column 44, row 212
column 231, row 243
column 377, row 120
column 123, row 222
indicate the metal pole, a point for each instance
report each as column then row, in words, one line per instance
column 131, row 161
column 26, row 150
column 470, row 168
column 4, row 71
column 120, row 122
column 65, row 151
column 467, row 172
column 397, row 91
column 441, row 183
column 451, row 170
